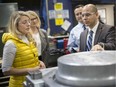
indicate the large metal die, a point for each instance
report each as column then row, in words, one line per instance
column 87, row 69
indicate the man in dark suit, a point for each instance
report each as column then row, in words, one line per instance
column 103, row 36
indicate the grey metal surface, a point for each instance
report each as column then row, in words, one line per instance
column 35, row 74
column 5, row 11
column 50, row 79
column 87, row 69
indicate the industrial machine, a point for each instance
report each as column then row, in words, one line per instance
column 84, row 69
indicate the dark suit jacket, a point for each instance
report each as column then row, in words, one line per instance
column 44, row 46
column 105, row 34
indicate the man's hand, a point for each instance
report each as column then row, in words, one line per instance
column 97, row 48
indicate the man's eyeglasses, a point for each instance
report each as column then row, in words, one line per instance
column 87, row 14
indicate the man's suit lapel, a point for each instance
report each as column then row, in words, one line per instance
column 43, row 42
column 98, row 33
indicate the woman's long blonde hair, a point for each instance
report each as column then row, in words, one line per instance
column 13, row 24
column 14, row 20
column 36, row 15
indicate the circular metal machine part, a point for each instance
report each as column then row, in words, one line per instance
column 93, row 68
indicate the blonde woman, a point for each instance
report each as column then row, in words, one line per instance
column 40, row 36
column 20, row 54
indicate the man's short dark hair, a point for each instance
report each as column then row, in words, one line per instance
column 78, row 6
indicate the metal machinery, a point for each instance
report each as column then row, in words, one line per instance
column 6, row 9
column 57, row 48
column 84, row 69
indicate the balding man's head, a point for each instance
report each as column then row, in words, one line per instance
column 90, row 15
column 91, row 7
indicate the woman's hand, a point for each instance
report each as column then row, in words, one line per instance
column 42, row 65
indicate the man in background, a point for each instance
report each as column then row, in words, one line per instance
column 97, row 36
column 74, row 37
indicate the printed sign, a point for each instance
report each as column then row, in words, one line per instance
column 59, row 21
column 58, row 6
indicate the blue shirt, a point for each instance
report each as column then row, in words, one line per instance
column 74, row 37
